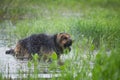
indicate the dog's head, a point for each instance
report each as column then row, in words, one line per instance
column 64, row 40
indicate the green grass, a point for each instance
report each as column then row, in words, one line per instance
column 94, row 25
column 1, row 76
column 107, row 65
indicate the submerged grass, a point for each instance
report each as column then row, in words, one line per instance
column 94, row 25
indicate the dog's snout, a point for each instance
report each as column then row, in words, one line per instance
column 70, row 41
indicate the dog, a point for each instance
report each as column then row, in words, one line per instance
column 42, row 44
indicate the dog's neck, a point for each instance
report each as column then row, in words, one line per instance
column 58, row 49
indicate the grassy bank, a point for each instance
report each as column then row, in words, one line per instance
column 94, row 25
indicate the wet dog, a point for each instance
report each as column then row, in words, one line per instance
column 42, row 44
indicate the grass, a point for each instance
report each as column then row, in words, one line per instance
column 94, row 25
column 106, row 70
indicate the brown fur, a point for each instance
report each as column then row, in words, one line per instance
column 41, row 44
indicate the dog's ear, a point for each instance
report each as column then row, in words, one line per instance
column 59, row 35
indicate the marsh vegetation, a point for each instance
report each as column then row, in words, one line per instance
column 94, row 25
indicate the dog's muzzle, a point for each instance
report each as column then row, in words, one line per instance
column 68, row 44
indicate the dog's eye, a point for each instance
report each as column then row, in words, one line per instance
column 65, row 38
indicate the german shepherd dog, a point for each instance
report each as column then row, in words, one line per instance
column 42, row 44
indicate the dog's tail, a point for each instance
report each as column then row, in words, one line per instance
column 11, row 51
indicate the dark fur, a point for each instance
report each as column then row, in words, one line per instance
column 41, row 44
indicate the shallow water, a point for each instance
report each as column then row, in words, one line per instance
column 9, row 67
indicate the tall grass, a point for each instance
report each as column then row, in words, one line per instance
column 94, row 25
column 1, row 76
column 106, row 65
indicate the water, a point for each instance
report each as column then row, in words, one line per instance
column 10, row 66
